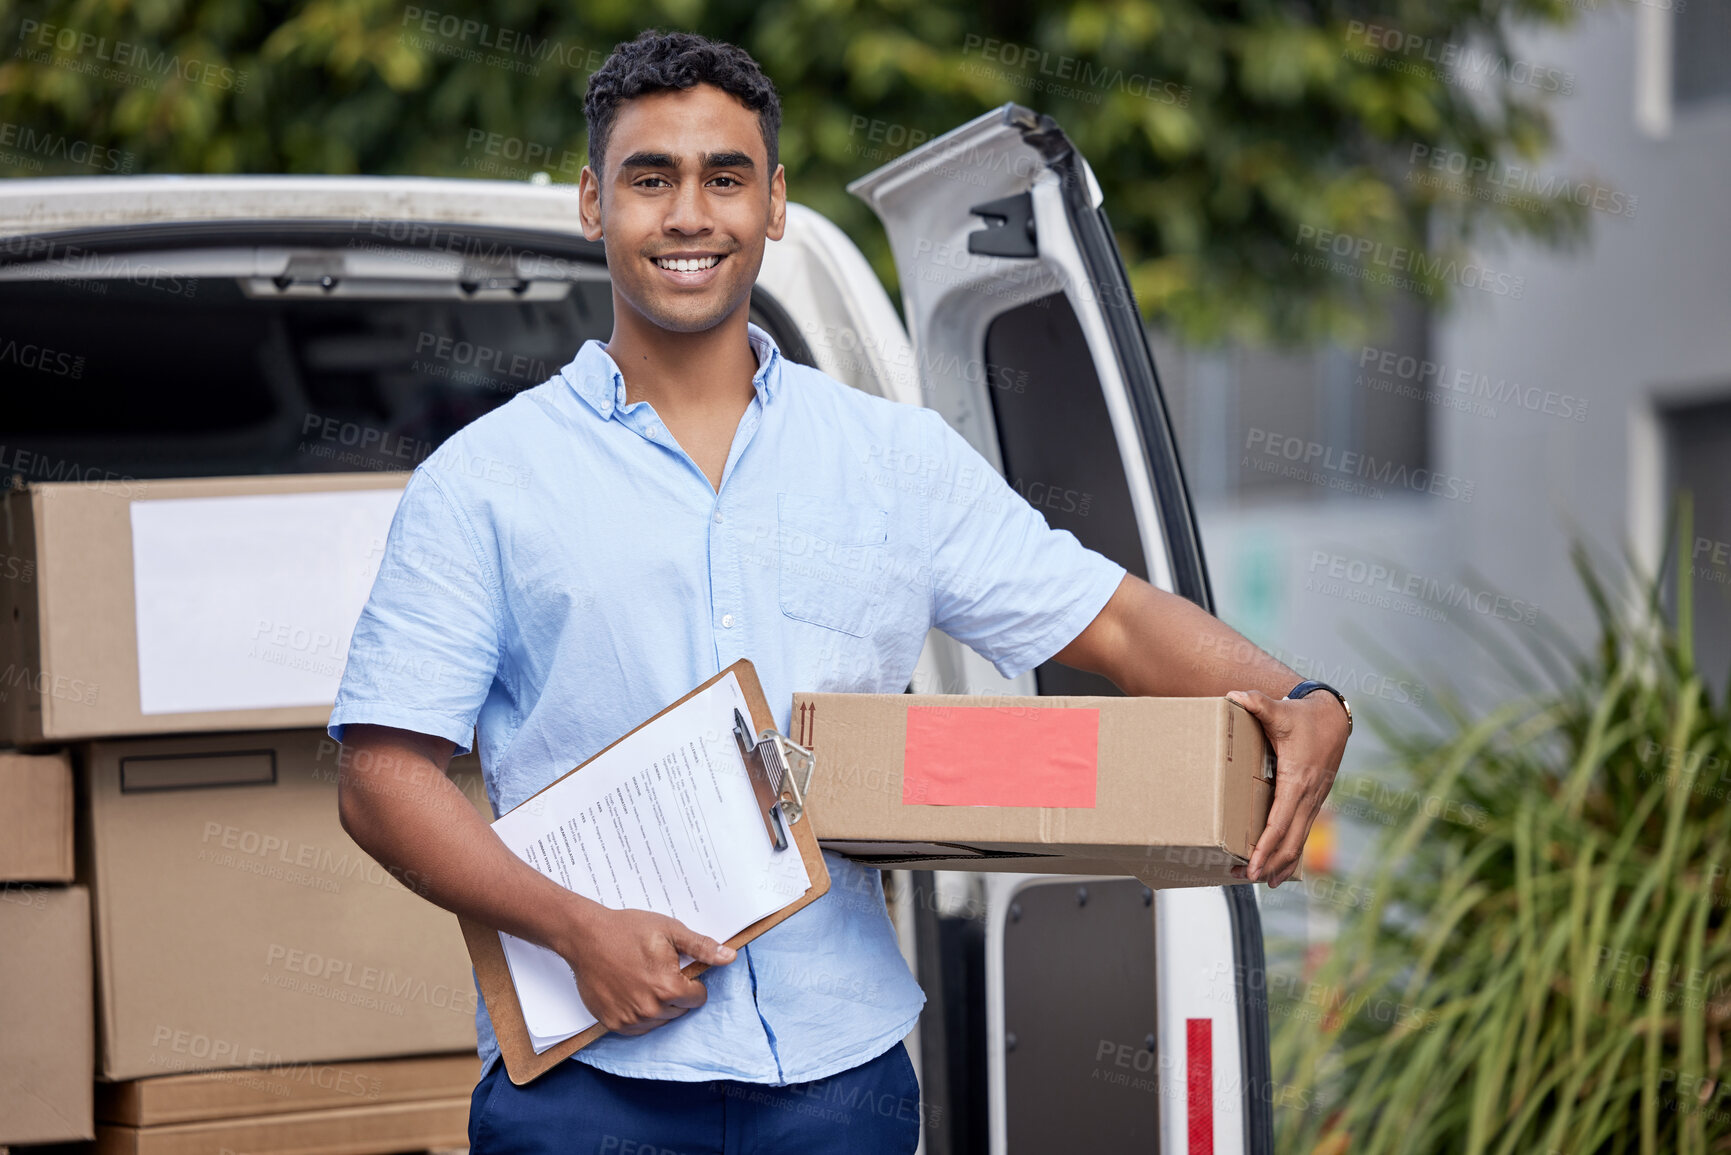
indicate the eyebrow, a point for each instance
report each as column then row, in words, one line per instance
column 734, row 159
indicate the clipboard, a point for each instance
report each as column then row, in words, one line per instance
column 785, row 798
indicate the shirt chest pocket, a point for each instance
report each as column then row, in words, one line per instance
column 831, row 556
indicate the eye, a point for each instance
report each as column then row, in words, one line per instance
column 644, row 181
column 731, row 180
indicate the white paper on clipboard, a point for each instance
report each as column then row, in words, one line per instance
column 663, row 821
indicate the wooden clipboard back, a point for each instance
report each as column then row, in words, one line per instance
column 487, row 954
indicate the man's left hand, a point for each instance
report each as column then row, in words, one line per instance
column 1309, row 736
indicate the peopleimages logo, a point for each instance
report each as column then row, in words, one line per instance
column 1375, row 474
column 331, row 977
column 1374, row 260
column 1340, row 575
column 50, row 259
column 133, row 61
column 1460, row 385
column 534, row 154
column 1463, row 65
column 45, row 683
column 485, row 360
column 1493, row 180
column 42, row 144
column 480, row 42
column 1081, row 74
column 29, row 355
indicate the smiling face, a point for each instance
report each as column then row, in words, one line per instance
column 684, row 206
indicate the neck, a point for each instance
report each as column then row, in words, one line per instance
column 678, row 372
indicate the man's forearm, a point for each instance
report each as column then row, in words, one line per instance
column 1152, row 643
column 1156, row 644
column 397, row 804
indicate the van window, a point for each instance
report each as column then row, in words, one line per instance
column 1058, row 447
column 185, row 376
column 140, row 381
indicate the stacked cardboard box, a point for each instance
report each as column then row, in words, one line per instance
column 237, row 924
column 187, row 606
column 35, row 817
column 170, row 658
column 45, row 1008
column 357, row 1108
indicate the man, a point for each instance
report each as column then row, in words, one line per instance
column 567, row 565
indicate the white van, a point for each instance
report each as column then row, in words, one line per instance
column 213, row 326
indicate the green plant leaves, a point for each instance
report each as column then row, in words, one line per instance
column 1571, row 957
column 1227, row 138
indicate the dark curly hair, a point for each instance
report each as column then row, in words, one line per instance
column 666, row 61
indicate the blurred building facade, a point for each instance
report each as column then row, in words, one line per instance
column 1578, row 410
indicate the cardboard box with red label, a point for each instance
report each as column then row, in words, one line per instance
column 1173, row 790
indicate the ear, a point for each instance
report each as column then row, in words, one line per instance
column 777, row 204
column 589, row 203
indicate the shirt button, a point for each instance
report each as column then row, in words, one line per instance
column 718, row 517
column 654, row 431
column 727, row 621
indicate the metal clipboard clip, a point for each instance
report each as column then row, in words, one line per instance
column 780, row 773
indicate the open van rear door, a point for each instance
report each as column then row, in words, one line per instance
column 1027, row 338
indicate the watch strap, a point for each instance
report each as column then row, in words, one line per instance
column 1310, row 684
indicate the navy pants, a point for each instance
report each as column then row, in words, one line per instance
column 574, row 1109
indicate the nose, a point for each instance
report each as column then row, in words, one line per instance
column 688, row 213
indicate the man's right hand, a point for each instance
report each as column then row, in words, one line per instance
column 395, row 800
column 627, row 967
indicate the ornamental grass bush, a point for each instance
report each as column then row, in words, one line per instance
column 1561, row 965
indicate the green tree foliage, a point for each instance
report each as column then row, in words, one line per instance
column 1230, row 138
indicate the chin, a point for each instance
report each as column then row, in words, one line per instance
column 685, row 324
column 691, row 320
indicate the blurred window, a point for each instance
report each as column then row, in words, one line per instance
column 1255, row 425
column 1701, row 52
column 1697, row 450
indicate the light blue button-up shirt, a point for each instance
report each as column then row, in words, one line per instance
column 560, row 569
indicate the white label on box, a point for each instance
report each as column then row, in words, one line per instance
column 248, row 603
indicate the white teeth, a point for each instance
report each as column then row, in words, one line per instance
column 688, row 265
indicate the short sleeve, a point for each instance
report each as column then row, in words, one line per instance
column 1004, row 582
column 426, row 647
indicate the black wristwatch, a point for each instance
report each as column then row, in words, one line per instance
column 1310, row 684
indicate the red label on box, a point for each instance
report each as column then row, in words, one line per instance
column 1001, row 756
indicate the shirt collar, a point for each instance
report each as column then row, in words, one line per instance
column 594, row 376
